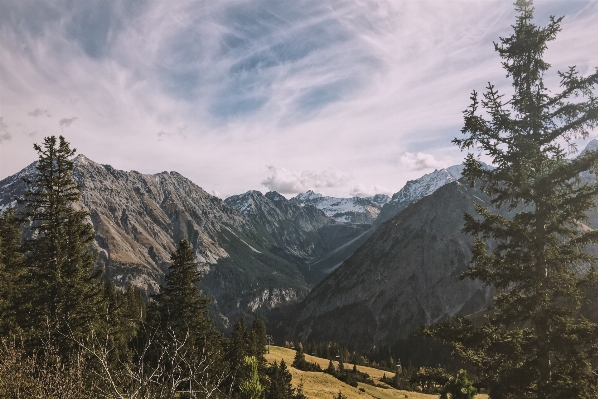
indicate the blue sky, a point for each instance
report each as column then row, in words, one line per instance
column 343, row 97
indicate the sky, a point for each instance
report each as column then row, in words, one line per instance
column 344, row 97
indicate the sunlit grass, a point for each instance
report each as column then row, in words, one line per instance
column 321, row 385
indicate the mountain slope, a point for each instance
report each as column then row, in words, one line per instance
column 301, row 234
column 416, row 189
column 385, row 209
column 140, row 218
column 405, row 275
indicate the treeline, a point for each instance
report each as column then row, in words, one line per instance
column 431, row 380
column 66, row 332
column 414, row 351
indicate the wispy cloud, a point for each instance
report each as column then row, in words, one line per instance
column 286, row 182
column 4, row 133
column 312, row 85
column 180, row 132
column 66, row 122
column 39, row 112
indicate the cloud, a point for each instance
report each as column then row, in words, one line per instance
column 180, row 132
column 419, row 161
column 361, row 190
column 66, row 122
column 287, row 182
column 310, row 85
column 4, row 133
column 39, row 112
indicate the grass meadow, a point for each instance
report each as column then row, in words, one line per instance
column 319, row 385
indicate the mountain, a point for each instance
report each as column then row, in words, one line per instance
column 407, row 272
column 300, row 233
column 371, row 210
column 417, row 189
column 250, row 259
column 354, row 210
column 405, row 275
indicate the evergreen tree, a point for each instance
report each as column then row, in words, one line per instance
column 535, row 344
column 458, row 387
column 280, row 382
column 239, row 346
column 181, row 308
column 184, row 336
column 258, row 339
column 331, row 369
column 122, row 318
column 299, row 360
column 258, row 342
column 12, row 274
column 65, row 291
column 250, row 386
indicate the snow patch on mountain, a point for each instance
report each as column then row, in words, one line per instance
column 244, row 203
column 344, row 210
column 427, row 184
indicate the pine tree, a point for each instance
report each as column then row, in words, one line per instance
column 251, row 387
column 331, row 369
column 299, row 360
column 181, row 307
column 122, row 318
column 258, row 340
column 65, row 290
column 535, row 343
column 183, row 338
column 12, row 274
column 280, row 382
column 239, row 347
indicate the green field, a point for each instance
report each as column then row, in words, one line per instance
column 321, row 385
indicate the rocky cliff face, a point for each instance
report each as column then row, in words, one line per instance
column 405, row 275
column 300, row 233
column 415, row 190
column 250, row 259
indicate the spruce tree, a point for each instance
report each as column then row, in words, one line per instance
column 12, row 274
column 299, row 360
column 239, row 346
column 258, row 338
column 280, row 378
column 179, row 315
column 535, row 343
column 65, row 290
column 181, row 306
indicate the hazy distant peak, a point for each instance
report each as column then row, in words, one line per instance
column 379, row 199
column 308, row 195
column 591, row 146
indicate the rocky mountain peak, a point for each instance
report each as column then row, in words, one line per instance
column 246, row 203
column 379, row 199
column 415, row 190
column 274, row 196
column 307, row 196
column 353, row 210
